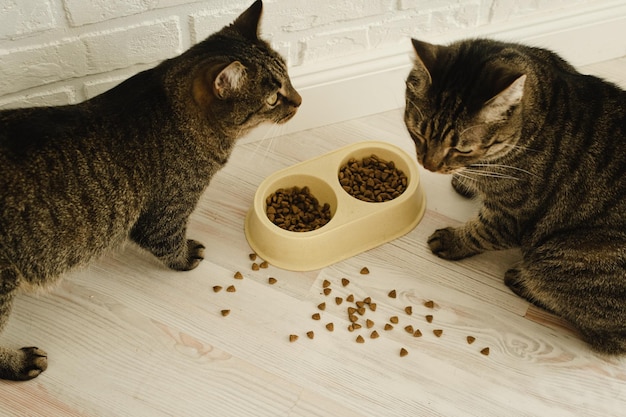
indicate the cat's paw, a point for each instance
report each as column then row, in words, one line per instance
column 23, row 364
column 35, row 362
column 194, row 255
column 445, row 244
column 513, row 280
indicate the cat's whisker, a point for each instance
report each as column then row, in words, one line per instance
column 416, row 108
column 465, row 177
column 505, row 167
column 490, row 174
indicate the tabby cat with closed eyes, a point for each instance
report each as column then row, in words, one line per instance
column 544, row 148
column 131, row 163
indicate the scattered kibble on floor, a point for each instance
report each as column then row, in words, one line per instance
column 356, row 310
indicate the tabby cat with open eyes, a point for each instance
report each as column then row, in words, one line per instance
column 130, row 163
column 544, row 147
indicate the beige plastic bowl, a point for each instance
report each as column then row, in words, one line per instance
column 355, row 226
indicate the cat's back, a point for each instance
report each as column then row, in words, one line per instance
column 73, row 178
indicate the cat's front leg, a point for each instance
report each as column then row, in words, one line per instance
column 16, row 364
column 165, row 237
column 475, row 237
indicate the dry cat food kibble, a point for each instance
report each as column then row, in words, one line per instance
column 362, row 324
column 217, row 288
column 296, row 209
column 238, row 275
column 293, row 337
column 272, row 280
column 225, row 313
column 231, row 288
column 365, row 271
column 372, row 179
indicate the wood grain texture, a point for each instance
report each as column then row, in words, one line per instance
column 126, row 337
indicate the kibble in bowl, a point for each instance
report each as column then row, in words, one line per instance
column 296, row 209
column 372, row 179
column 349, row 225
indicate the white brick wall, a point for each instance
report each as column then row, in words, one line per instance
column 64, row 51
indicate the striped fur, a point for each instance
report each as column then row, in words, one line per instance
column 131, row 163
column 548, row 162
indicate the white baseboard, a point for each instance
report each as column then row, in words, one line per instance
column 373, row 82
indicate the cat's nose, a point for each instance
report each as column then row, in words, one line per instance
column 432, row 164
column 295, row 99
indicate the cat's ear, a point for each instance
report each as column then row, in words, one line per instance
column 427, row 55
column 229, row 80
column 499, row 107
column 248, row 22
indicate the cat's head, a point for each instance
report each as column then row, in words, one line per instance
column 463, row 103
column 240, row 81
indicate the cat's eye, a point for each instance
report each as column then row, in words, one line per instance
column 272, row 100
column 462, row 151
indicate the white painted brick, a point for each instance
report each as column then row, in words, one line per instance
column 94, row 88
column 92, row 53
column 425, row 6
column 55, row 97
column 82, row 12
column 332, row 45
column 207, row 22
column 399, row 30
column 456, row 17
column 42, row 64
column 503, row 10
column 123, row 47
column 303, row 15
column 22, row 17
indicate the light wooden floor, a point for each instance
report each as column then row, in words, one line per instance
column 127, row 337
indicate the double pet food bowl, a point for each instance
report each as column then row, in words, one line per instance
column 355, row 225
